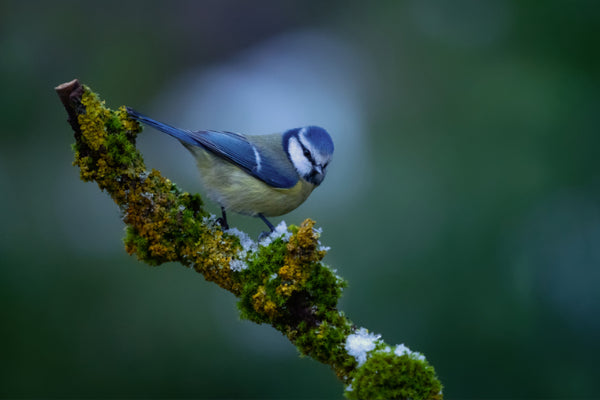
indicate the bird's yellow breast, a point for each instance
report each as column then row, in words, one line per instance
column 240, row 192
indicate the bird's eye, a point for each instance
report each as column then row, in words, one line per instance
column 307, row 153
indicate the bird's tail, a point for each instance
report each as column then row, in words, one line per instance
column 177, row 133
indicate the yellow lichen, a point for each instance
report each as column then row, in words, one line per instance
column 128, row 124
column 292, row 277
column 301, row 252
column 263, row 304
column 91, row 123
column 303, row 245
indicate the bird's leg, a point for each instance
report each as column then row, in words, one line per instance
column 266, row 221
column 223, row 220
column 270, row 225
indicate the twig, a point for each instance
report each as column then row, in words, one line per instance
column 281, row 280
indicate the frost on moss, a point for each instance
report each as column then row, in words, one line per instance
column 280, row 280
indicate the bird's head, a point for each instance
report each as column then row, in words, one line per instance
column 310, row 150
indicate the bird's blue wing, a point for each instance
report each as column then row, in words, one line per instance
column 257, row 161
column 262, row 163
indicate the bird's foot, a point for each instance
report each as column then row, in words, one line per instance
column 223, row 222
column 263, row 235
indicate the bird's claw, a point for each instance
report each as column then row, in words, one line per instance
column 263, row 235
column 223, row 222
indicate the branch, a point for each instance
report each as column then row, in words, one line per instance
column 280, row 280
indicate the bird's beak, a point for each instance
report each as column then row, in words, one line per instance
column 316, row 175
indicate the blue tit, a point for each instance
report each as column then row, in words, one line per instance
column 263, row 175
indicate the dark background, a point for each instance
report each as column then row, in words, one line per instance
column 463, row 204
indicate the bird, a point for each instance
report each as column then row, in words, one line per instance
column 256, row 175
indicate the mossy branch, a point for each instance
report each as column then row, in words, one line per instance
column 281, row 281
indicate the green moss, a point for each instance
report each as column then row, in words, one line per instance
column 261, row 282
column 387, row 376
column 325, row 342
column 133, row 240
column 325, row 287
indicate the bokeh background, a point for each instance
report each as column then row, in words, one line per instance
column 463, row 204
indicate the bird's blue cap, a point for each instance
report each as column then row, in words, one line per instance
column 320, row 139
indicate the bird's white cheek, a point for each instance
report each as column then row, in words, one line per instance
column 301, row 163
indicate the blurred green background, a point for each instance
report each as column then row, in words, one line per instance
column 463, row 204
